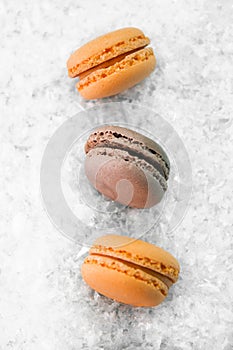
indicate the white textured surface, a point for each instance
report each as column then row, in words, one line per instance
column 43, row 302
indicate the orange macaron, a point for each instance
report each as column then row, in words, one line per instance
column 111, row 63
column 130, row 271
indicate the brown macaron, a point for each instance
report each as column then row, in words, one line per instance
column 130, row 271
column 111, row 63
column 126, row 166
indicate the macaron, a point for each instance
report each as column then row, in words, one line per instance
column 130, row 271
column 126, row 166
column 111, row 63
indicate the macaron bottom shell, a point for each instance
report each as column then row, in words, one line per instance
column 121, row 285
column 113, row 80
column 122, row 181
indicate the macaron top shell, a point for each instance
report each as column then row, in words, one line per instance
column 104, row 48
column 138, row 252
column 120, row 137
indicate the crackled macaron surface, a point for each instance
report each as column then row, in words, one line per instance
column 111, row 63
column 130, row 271
column 126, row 166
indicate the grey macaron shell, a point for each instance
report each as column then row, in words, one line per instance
column 123, row 178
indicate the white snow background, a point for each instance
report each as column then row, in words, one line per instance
column 44, row 304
